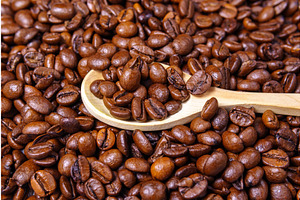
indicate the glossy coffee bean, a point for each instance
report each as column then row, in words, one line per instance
column 158, row 188
column 199, row 83
column 162, row 168
column 43, row 183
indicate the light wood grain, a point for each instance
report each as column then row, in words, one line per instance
column 279, row 103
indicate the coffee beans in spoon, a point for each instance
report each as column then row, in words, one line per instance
column 160, row 88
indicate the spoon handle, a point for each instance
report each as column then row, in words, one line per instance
column 279, row 103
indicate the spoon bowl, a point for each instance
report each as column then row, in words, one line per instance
column 279, row 103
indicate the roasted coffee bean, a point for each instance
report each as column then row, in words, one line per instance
column 102, row 172
column 68, row 58
column 23, row 173
column 162, row 168
column 122, row 98
column 107, row 88
column 126, row 29
column 193, row 186
column 250, row 157
column 105, row 138
column 254, row 176
column 242, row 116
column 138, row 109
column 275, row 174
column 212, row 164
column 198, row 125
column 142, row 51
column 65, row 163
column 233, row 172
column 113, row 158
column 67, row 96
column 13, row 89
column 80, row 170
column 159, row 91
column 43, row 183
column 94, row 189
column 209, row 138
column 173, row 107
column 155, row 109
column 284, row 191
column 142, row 142
column 286, row 139
column 127, row 177
column 158, row 190
column 276, row 158
column 209, row 109
column 137, row 165
column 220, row 120
column 183, row 44
column 232, row 142
column 98, row 62
column 94, row 87
column 199, row 83
column 131, row 76
column 183, row 134
column 158, row 40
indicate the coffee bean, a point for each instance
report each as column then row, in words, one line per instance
column 40, row 104
column 209, row 109
column 183, row 44
column 155, row 109
column 131, row 76
column 254, row 176
column 242, row 116
column 142, row 142
column 158, row 188
column 173, row 107
column 102, row 172
column 98, row 62
column 162, row 168
column 195, row 190
column 286, row 139
column 63, row 11
column 138, row 109
column 13, row 89
column 67, row 96
column 126, row 29
column 199, row 83
column 43, row 183
column 275, row 158
column 23, row 174
column 137, row 165
column 113, row 158
column 249, row 157
column 93, row 189
column 80, row 170
column 212, row 164
column 159, row 91
column 86, row 144
column 284, row 191
column 261, row 36
column 105, row 139
column 275, row 174
column 142, row 51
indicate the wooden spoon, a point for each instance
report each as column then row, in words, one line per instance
column 279, row 103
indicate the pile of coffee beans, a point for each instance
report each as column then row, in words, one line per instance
column 220, row 154
column 53, row 148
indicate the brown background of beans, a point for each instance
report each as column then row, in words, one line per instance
column 51, row 146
